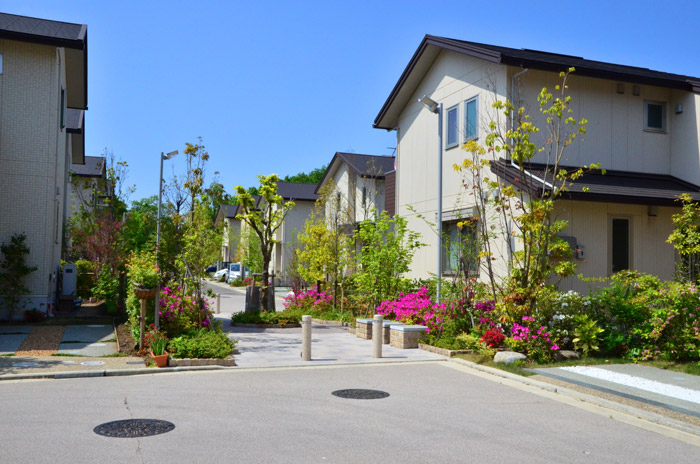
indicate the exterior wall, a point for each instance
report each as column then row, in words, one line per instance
column 375, row 198
column 287, row 234
column 232, row 239
column 452, row 79
column 33, row 155
column 685, row 138
column 589, row 222
column 615, row 131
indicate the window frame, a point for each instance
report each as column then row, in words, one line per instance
column 63, row 108
column 648, row 128
column 474, row 99
column 454, row 108
column 446, row 224
column 630, row 241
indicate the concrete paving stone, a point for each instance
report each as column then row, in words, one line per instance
column 88, row 333
column 15, row 329
column 88, row 349
column 10, row 342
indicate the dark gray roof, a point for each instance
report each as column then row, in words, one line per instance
column 613, row 186
column 94, row 167
column 372, row 166
column 228, row 211
column 524, row 58
column 75, row 120
column 43, row 31
column 297, row 191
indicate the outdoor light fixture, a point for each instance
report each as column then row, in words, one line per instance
column 160, row 200
column 436, row 108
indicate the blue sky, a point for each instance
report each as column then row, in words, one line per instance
column 281, row 86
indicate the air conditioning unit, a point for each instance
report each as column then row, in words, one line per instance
column 69, row 282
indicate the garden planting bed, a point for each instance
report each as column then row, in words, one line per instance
column 443, row 351
column 227, row 362
column 330, row 323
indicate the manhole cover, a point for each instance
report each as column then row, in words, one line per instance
column 134, row 428
column 360, row 394
column 92, row 363
column 25, row 364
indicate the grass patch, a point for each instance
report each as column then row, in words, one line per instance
column 7, row 355
column 515, row 368
column 115, row 355
column 691, row 368
column 67, row 355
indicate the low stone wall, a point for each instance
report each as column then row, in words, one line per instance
column 363, row 329
column 290, row 325
column 228, row 362
column 443, row 351
column 330, row 323
column 407, row 336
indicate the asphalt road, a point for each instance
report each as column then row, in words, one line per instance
column 434, row 414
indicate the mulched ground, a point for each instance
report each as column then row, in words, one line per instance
column 41, row 341
column 126, row 341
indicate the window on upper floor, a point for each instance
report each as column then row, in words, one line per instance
column 0, row 63
column 452, row 126
column 654, row 116
column 471, row 124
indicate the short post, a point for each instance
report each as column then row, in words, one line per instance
column 306, row 338
column 142, row 323
column 377, row 335
column 218, row 303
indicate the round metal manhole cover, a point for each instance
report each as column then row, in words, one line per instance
column 360, row 394
column 134, row 428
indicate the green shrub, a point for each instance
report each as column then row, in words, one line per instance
column 107, row 288
column 86, row 277
column 201, row 344
column 265, row 317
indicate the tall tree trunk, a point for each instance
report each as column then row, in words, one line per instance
column 263, row 285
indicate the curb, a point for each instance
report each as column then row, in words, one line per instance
column 639, row 413
column 108, row 372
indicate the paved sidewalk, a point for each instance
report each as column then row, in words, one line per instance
column 329, row 345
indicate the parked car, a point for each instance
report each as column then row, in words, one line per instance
column 234, row 272
column 211, row 269
column 221, row 275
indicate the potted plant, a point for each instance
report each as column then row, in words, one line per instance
column 157, row 341
column 143, row 273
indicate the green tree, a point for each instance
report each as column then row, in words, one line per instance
column 14, row 271
column 387, row 251
column 325, row 246
column 312, row 177
column 685, row 238
column 264, row 218
column 526, row 211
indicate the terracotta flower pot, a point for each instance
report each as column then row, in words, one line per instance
column 162, row 360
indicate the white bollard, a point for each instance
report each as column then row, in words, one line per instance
column 306, row 338
column 218, row 303
column 377, row 335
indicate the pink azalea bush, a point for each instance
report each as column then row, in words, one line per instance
column 180, row 313
column 535, row 341
column 311, row 300
column 415, row 308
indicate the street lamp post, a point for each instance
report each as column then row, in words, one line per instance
column 436, row 108
column 160, row 200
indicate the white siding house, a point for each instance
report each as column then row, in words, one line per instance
column 643, row 128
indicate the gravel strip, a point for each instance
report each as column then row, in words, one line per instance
column 622, row 400
column 42, row 341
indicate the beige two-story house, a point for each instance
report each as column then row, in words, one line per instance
column 356, row 185
column 643, row 128
column 43, row 94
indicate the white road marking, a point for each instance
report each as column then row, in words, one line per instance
column 681, row 393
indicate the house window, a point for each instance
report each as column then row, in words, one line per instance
column 63, row 107
column 654, row 116
column 364, row 197
column 460, row 250
column 0, row 63
column 471, row 125
column 620, row 244
column 452, row 125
